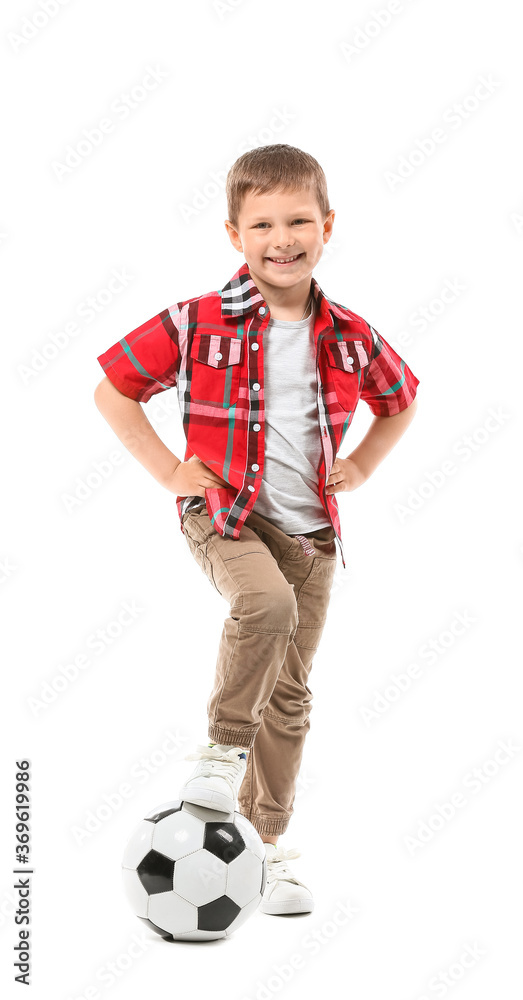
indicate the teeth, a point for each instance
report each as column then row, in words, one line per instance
column 284, row 260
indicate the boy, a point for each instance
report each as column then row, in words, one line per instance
column 269, row 372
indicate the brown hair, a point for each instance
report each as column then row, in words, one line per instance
column 268, row 168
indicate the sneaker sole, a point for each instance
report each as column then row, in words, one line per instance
column 208, row 798
column 287, row 906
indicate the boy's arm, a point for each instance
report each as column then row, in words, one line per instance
column 349, row 473
column 130, row 424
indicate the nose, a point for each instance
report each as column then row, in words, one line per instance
column 283, row 239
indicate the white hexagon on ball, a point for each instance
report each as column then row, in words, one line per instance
column 138, row 845
column 242, row 875
column 174, row 839
column 175, row 915
column 200, row 878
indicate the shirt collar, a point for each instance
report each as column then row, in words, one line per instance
column 240, row 295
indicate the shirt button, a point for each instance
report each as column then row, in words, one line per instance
column 262, row 310
column 350, row 360
column 251, row 488
column 255, row 347
column 256, row 385
column 218, row 355
column 255, row 467
column 256, row 427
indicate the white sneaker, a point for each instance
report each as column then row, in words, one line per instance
column 284, row 893
column 215, row 781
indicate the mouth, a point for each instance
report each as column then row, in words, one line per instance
column 285, row 261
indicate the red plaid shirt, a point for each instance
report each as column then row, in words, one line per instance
column 211, row 348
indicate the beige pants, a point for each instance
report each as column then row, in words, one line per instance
column 278, row 597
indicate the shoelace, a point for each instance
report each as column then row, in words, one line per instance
column 277, row 865
column 219, row 762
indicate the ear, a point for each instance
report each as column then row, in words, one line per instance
column 327, row 225
column 233, row 235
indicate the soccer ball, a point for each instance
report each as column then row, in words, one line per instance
column 194, row 874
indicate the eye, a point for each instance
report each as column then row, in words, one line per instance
column 299, row 221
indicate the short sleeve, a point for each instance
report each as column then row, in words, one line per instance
column 389, row 386
column 145, row 361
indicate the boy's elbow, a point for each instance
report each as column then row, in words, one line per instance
column 102, row 390
column 98, row 390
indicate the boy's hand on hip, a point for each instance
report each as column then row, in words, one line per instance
column 192, row 478
column 345, row 476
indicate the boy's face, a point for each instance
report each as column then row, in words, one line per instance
column 281, row 224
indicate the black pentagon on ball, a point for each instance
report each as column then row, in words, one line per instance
column 224, row 840
column 155, row 872
column 217, row 915
column 156, row 929
column 165, row 812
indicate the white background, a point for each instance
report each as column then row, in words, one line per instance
column 418, row 554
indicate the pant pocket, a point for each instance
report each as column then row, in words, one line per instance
column 313, row 602
column 197, row 542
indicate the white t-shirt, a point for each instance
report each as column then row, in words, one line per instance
column 289, row 494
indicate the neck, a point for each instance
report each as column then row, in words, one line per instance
column 292, row 312
column 286, row 303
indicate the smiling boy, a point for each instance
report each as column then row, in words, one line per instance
column 268, row 371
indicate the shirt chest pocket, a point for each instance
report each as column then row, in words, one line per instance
column 347, row 366
column 215, row 369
